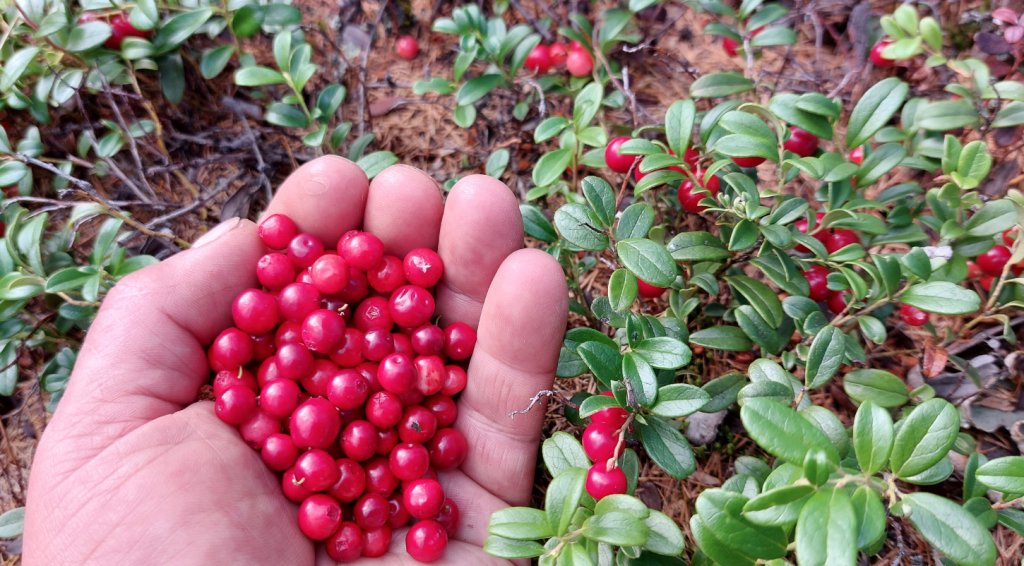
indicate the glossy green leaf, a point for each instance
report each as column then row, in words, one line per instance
column 519, row 523
column 562, row 451
column 679, row 400
column 667, row 447
column 728, row 338
column 580, row 227
column 1004, row 474
column 760, row 296
column 924, row 437
column 942, row 297
column 783, row 432
column 872, row 437
column 562, row 498
column 877, row 386
column 823, row 533
column 874, row 110
column 828, row 350
column 648, row 260
column 717, row 85
column 950, row 529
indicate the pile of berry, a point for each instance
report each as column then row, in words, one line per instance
column 335, row 372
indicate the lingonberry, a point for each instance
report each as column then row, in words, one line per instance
column 614, row 159
column 279, row 452
column 236, row 404
column 459, row 341
column 856, row 155
column 376, row 542
column 689, row 197
column 263, row 346
column 987, row 281
column 297, row 300
column 304, row 276
column 349, row 352
column 323, row 330
column 268, row 371
column 973, row 271
column 748, row 161
column 348, row 390
column 444, row 409
column 280, row 397
column 876, row 56
column 398, row 515
column 612, row 416
column 423, row 498
column 373, row 314
column 351, row 481
column 317, row 381
column 647, row 291
column 448, row 516
column 231, row 349
column 426, row 541
column 258, row 428
column 430, row 374
column 294, row 361
column 427, row 340
column 913, row 316
column 362, row 250
column 801, row 142
column 817, row 281
column 346, row 545
column 225, row 379
column 602, row 482
column 539, row 59
column 387, row 276
column 407, row 48
column 293, row 488
column 274, row 271
column 559, row 53
column 380, row 478
column 1010, row 235
column 304, row 249
column 732, row 46
column 837, row 301
column 994, row 260
column 411, row 306
column 599, row 442
column 329, row 273
column 370, row 511
column 403, row 344
column 121, row 28
column 802, row 225
column 357, row 287
column 579, row 63
column 408, row 461
column 417, row 426
column 316, row 470
column 839, row 238
column 455, row 380
column 386, row 441
column 377, row 345
column 448, row 449
column 315, row 424
column 289, row 332
column 397, row 373
column 384, row 410
column 359, row 441
column 422, row 267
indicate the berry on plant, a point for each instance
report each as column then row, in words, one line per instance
column 817, row 281
column 876, row 56
column 648, row 291
column 579, row 63
column 913, row 316
column 602, row 482
column 558, row 52
column 994, row 260
column 616, row 161
column 407, row 48
column 539, row 60
column 801, row 142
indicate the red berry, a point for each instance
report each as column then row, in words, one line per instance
column 349, row 353
column 443, row 408
column 448, row 517
column 801, row 142
column 235, row 405
column 317, row 381
column 689, row 197
column 601, row 481
column 993, row 261
column 319, row 516
column 837, row 301
column 612, row 416
column 618, row 162
column 379, row 476
column 397, row 374
column 225, row 379
column 423, row 498
column 856, row 155
column 279, row 397
column 274, row 271
column 987, row 281
column 426, row 541
column 423, row 267
column 351, row 481
column 120, row 28
column 294, row 361
column 329, row 273
column 407, row 48
column 348, row 390
column 448, row 449
column 748, row 161
column 323, row 330
column 817, row 280
column 417, row 426
column 361, row 250
column 838, row 239
column 913, row 316
column 427, row 340
column 288, row 332
column 409, row 461
column 293, row 488
column 455, row 380
column 373, row 314
column 347, row 544
column 802, row 225
column 388, row 275
column 876, row 56
column 648, row 291
column 430, row 374
column 376, row 542
column 258, row 428
column 730, row 46
column 559, row 52
column 386, row 441
column 459, row 341
column 305, row 249
column 599, row 442
column 1010, row 235
column 297, row 300
column 384, row 410
column 316, row 470
column 231, row 350
column 279, row 452
column 973, row 271
column 371, row 511
column 359, row 441
column 315, row 424
column 263, row 347
column 357, row 287
column 539, row 60
column 377, row 344
column 579, row 63
column 411, row 306
column 398, row 516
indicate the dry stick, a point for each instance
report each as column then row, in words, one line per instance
column 531, row 20
column 623, row 89
column 93, row 142
column 981, row 337
column 268, row 188
column 364, row 57
column 221, row 186
column 133, row 147
column 536, row 399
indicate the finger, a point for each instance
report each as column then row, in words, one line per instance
column 404, row 209
column 521, row 327
column 325, row 197
column 456, row 552
column 480, row 228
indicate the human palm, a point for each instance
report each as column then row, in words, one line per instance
column 130, row 471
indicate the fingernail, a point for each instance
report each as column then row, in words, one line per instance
column 218, row 231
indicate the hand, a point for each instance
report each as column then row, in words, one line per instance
column 131, row 471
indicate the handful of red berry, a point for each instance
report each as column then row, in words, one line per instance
column 336, row 373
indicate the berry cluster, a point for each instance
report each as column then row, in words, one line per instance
column 603, row 441
column 335, row 372
column 577, row 60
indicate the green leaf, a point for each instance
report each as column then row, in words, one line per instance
column 647, row 260
column 1010, row 115
column 828, row 423
column 246, row 21
column 438, row 85
column 783, row 432
column 872, row 437
column 877, row 386
column 728, row 338
column 16, row 64
column 760, row 296
column 464, row 116
column 172, row 77
column 679, row 121
column 373, row 163
column 604, row 361
column 616, row 528
column 84, row 37
column 870, row 514
column 329, row 100
column 561, row 451
column 663, row 352
column 723, row 391
column 828, row 350
column 635, row 221
column 214, row 60
column 512, row 549
column 12, row 523
column 1012, row 519
column 519, row 523
column 586, row 104
column 717, row 85
column 579, row 226
column 974, row 164
column 11, row 172
column 697, row 246
column 601, row 198
column 8, row 373
column 874, row 110
column 942, row 297
column 641, row 376
column 596, row 403
column 679, row 400
column 950, row 529
column 549, row 128
column 179, row 27
column 993, row 218
column 945, row 115
column 551, row 166
column 778, row 507
column 257, row 76
column 667, row 447
column 823, row 533
column 664, row 536
column 743, row 145
column 563, row 498
column 1004, row 474
column 69, row 278
column 770, row 339
column 924, row 437
column 727, row 537
column 622, row 289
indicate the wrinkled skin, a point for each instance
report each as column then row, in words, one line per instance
column 130, row 471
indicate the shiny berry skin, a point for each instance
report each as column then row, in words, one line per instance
column 444, row 409
column 288, row 332
column 279, row 397
column 1010, row 235
column 409, row 461
column 876, row 56
column 801, row 142
column 398, row 516
column 448, row 517
column 279, row 452
column 274, row 271
column 455, row 380
column 304, row 250
column 579, row 63
column 987, row 282
column 647, row 291
column 913, row 316
column 379, row 476
column 258, row 428
column 559, row 53
column 539, row 60
column 407, row 48
column 417, row 426
column 359, row 441
column 329, row 273
column 361, row 250
column 837, row 301
column 426, row 541
column 316, row 470
column 973, row 271
column 231, row 350
column 371, row 511
column 377, row 345
column 411, row 306
column 748, row 161
column 602, row 482
column 348, row 390
column 430, row 374
column 349, row 353
column 292, row 488
column 817, row 280
column 294, row 361
column 317, row 380
column 236, row 404
column 838, row 239
column 386, row 441
column 993, row 261
column 612, row 416
column 388, row 275
column 448, row 449
column 297, row 300
column 319, row 516
column 315, row 424
column 384, row 410
column 351, row 481
column 423, row 267
column 599, row 442
column 427, row 340
column 802, row 225
column 120, row 28
column 459, row 341
column 346, row 545
column 357, row 287
column 618, row 162
column 397, row 374
column 376, row 542
column 323, row 330
column 689, row 197
column 856, row 155
column 225, row 379
column 423, row 498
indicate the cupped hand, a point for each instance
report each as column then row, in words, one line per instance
column 132, row 471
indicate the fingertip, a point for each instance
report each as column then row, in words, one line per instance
column 404, row 209
column 326, row 197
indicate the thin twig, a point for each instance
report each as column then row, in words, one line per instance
column 537, row 398
column 133, row 147
column 363, row 59
column 531, row 20
column 221, row 186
